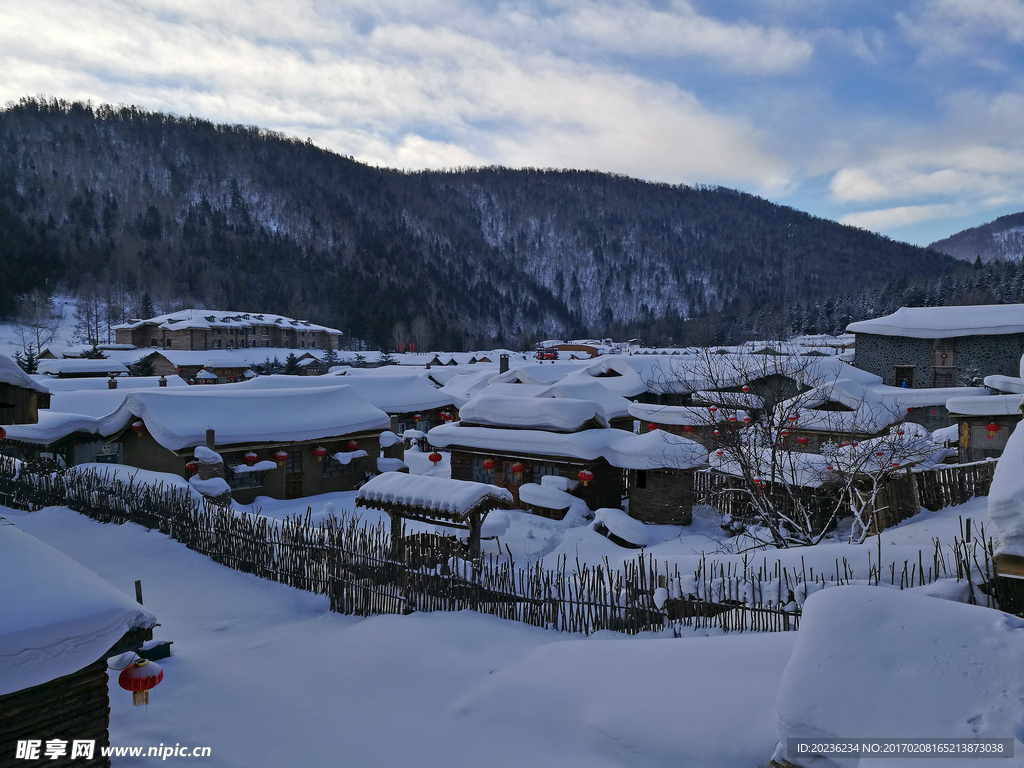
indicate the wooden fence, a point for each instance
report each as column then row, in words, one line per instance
column 355, row 565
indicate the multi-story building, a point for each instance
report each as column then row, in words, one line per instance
column 203, row 329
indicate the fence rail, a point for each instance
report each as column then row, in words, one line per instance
column 357, row 567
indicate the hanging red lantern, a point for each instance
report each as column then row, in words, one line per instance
column 517, row 470
column 319, row 452
column 417, row 418
column 687, row 428
column 895, row 463
column 488, row 464
column 717, row 433
column 446, row 416
column 803, row 440
column 585, row 476
column 992, row 427
column 138, row 427
column 733, row 418
column 854, row 443
column 250, row 458
column 719, row 452
column 828, row 467
column 435, row 458
column 900, row 433
column 280, row 457
column 651, row 426
column 794, row 417
column 746, row 419
column 712, row 409
column 745, row 389
column 138, row 677
column 352, row 445
column 880, row 454
column 785, row 433
column 842, row 445
column 192, row 467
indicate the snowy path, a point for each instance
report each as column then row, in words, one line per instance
column 266, row 676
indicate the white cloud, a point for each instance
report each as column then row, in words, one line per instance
column 370, row 82
column 890, row 218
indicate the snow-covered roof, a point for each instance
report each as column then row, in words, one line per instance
column 457, row 497
column 80, row 365
column 392, row 394
column 1007, row 384
column 946, row 322
column 556, row 415
column 179, row 418
column 52, row 426
column 217, row 318
column 83, row 383
column 614, row 406
column 653, row 450
column 57, row 617
column 993, row 405
column 680, row 415
column 11, row 373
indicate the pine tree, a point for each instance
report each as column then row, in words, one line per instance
column 291, row 365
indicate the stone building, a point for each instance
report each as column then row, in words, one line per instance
column 201, row 329
column 941, row 346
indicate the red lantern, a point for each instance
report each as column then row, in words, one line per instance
column 280, row 457
column 854, row 443
column 319, row 452
column 651, row 426
column 785, row 433
column 417, row 418
column 842, row 445
column 719, row 452
column 745, row 388
column 794, row 417
column 880, row 454
column 900, row 433
column 138, row 677
column 488, row 464
column 712, row 409
column 828, row 467
column 352, row 445
column 687, row 428
column 732, row 418
column 435, row 458
column 192, row 467
column 517, row 469
column 992, row 427
column 717, row 433
column 585, row 476
column 895, row 463
column 138, row 427
column 746, row 419
column 446, row 416
column 803, row 440
column 250, row 458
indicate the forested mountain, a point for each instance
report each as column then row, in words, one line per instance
column 117, row 201
column 999, row 240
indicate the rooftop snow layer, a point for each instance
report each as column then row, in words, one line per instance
column 551, row 414
column 946, row 322
column 57, row 617
column 653, row 450
column 456, row 496
column 11, row 373
column 178, row 419
column 80, row 365
column 992, row 405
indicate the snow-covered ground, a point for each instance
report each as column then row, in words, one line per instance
column 265, row 675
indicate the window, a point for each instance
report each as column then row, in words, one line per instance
column 333, row 467
column 641, row 478
column 240, row 477
column 539, row 470
column 903, row 373
column 216, row 343
column 266, row 343
column 264, row 332
column 943, row 377
column 480, row 475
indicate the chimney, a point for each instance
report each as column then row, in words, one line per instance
column 209, row 438
column 162, row 381
column 502, row 363
column 112, row 382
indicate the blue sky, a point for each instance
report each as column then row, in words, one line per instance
column 903, row 117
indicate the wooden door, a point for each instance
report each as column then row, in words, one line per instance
column 293, row 475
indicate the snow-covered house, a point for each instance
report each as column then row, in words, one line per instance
column 208, row 329
column 511, row 441
column 21, row 397
column 59, row 624
column 984, row 424
column 81, row 367
column 941, row 346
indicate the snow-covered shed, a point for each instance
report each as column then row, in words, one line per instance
column 433, row 500
column 81, row 367
column 21, row 396
column 941, row 346
column 58, row 624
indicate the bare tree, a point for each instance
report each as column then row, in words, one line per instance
column 38, row 321
column 796, row 445
column 400, row 335
column 422, row 333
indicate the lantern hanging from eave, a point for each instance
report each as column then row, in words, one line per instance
column 719, row 452
column 435, row 458
column 687, row 428
column 745, row 389
column 417, row 418
column 717, row 433
column 651, row 426
column 895, row 463
column 488, row 465
column 250, row 458
column 517, row 470
column 138, row 427
column 746, row 419
column 352, row 445
column 992, row 428
column 712, row 408
column 785, row 433
column 733, row 418
column 585, row 476
column 880, row 454
column 192, row 467
column 280, row 457
column 319, row 452
column 900, row 432
column 803, row 440
column 793, row 417
column 138, row 677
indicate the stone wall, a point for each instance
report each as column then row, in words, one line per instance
column 974, row 356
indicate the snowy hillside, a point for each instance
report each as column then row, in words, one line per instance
column 999, row 240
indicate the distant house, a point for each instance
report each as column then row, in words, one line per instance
column 207, row 330
column 984, row 424
column 76, row 367
column 941, row 346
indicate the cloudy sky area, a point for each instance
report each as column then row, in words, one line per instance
column 900, row 116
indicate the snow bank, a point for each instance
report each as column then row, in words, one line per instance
column 205, row 456
column 553, row 414
column 56, row 617
column 1006, row 497
column 878, row 663
column 11, row 373
column 623, row 526
column 215, row 486
column 993, row 405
